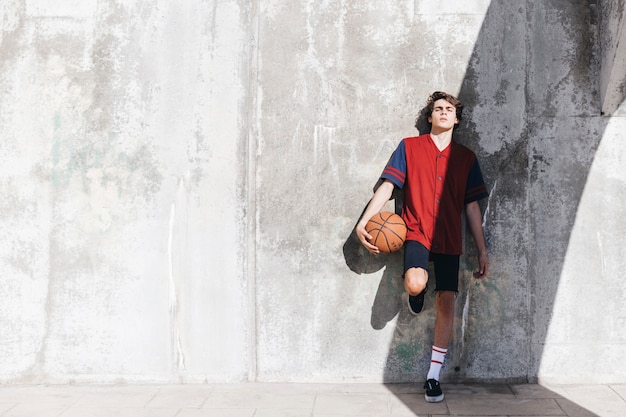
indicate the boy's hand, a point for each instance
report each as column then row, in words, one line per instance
column 364, row 238
column 483, row 266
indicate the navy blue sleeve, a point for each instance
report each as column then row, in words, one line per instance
column 475, row 189
column 395, row 171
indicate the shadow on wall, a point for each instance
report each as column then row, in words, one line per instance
column 387, row 303
column 525, row 98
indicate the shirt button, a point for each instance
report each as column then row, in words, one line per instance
column 439, row 178
column 438, row 201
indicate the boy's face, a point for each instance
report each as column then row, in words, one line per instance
column 443, row 115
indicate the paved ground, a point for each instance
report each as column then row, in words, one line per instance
column 309, row 400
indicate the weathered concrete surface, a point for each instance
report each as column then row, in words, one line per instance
column 181, row 181
column 123, row 126
column 587, row 314
column 339, row 92
column 612, row 18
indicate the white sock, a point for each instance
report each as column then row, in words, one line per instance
column 436, row 362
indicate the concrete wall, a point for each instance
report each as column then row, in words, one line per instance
column 123, row 217
column 612, row 19
column 181, row 181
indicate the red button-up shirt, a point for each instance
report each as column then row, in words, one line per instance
column 437, row 185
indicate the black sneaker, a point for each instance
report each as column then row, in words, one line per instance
column 416, row 302
column 433, row 391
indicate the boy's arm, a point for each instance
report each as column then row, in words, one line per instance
column 474, row 219
column 380, row 198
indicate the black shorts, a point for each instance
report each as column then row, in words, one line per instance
column 446, row 266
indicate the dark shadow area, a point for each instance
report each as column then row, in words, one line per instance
column 541, row 96
column 387, row 302
column 490, row 399
column 536, row 180
column 358, row 259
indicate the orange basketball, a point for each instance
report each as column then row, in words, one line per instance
column 388, row 231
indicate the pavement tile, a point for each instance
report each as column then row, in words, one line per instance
column 118, row 412
column 268, row 387
column 241, row 412
column 600, row 400
column 6, row 406
column 477, row 390
column 411, row 405
column 574, row 410
column 504, row 406
column 342, row 415
column 300, row 388
column 620, row 389
column 349, row 405
column 53, row 396
column 33, row 410
column 116, row 396
column 260, row 400
column 362, row 414
column 405, row 388
column 536, row 391
column 181, row 396
column 311, row 400
column 283, row 413
column 361, row 388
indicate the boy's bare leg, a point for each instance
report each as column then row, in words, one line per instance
column 444, row 301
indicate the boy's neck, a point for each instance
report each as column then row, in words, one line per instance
column 441, row 138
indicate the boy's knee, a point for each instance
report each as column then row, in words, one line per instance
column 415, row 280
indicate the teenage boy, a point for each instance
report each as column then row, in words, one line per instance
column 439, row 177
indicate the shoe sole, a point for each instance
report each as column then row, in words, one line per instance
column 408, row 303
column 434, row 399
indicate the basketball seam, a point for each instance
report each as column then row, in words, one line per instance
column 389, row 229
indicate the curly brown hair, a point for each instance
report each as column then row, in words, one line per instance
column 427, row 111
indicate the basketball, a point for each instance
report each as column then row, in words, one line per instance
column 388, row 231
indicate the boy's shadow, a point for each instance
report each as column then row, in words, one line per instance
column 388, row 300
